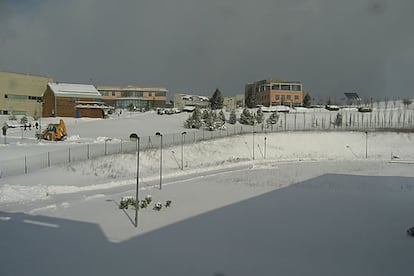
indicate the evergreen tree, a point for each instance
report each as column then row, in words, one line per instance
column 232, row 119
column 194, row 120
column 259, row 116
column 221, row 117
column 307, row 100
column 197, row 118
column 205, row 114
column 246, row 117
column 209, row 121
column 216, row 100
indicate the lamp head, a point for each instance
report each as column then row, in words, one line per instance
column 133, row 137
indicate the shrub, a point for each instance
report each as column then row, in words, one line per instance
column 126, row 201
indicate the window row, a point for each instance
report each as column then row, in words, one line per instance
column 133, row 93
column 286, row 97
column 281, row 97
column 22, row 97
column 283, row 87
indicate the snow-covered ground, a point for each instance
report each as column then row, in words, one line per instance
column 285, row 203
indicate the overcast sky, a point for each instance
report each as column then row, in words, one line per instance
column 196, row 46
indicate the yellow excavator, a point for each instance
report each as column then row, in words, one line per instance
column 54, row 132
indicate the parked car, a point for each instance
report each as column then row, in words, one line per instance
column 410, row 231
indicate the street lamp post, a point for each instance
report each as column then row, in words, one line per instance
column 160, row 135
column 40, row 101
column 182, row 148
column 135, row 137
column 253, row 142
column 265, row 147
column 366, row 144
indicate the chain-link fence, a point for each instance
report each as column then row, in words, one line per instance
column 306, row 121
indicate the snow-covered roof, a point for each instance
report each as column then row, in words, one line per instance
column 74, row 90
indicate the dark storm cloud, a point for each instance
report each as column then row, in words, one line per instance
column 195, row 46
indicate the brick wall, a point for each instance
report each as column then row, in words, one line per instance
column 91, row 112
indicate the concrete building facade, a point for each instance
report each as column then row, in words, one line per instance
column 138, row 97
column 22, row 94
column 271, row 92
column 233, row 102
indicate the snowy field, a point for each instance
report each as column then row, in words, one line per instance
column 283, row 203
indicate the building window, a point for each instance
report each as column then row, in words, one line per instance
column 277, row 97
column 160, row 94
column 296, row 87
column 276, row 87
column 296, row 97
column 288, row 97
column 285, row 87
column 113, row 93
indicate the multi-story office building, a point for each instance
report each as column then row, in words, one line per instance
column 134, row 96
column 22, row 94
column 271, row 92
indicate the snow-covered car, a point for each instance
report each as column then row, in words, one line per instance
column 410, row 231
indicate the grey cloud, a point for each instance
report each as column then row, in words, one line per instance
column 196, row 46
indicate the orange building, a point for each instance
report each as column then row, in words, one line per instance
column 136, row 96
column 271, row 92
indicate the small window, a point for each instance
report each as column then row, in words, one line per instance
column 277, row 97
column 113, row 93
column 288, row 97
column 296, row 97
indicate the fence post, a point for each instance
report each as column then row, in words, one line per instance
column 87, row 151
column 121, row 146
column 48, row 159
column 69, row 155
column 25, row 165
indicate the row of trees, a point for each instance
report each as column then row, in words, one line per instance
column 212, row 119
column 208, row 118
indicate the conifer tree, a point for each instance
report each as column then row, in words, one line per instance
column 221, row 117
column 232, row 119
column 259, row 116
column 216, row 100
column 307, row 100
column 246, row 117
column 194, row 120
